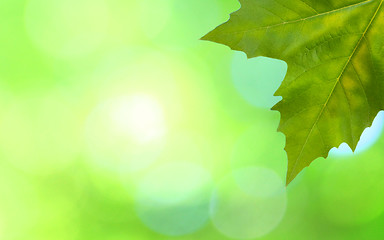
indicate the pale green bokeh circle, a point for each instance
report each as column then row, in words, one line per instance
column 249, row 203
column 173, row 199
column 67, row 28
column 260, row 145
column 257, row 79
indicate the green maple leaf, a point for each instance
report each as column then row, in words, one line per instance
column 334, row 49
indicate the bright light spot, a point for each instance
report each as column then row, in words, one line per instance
column 248, row 204
column 126, row 133
column 139, row 115
column 67, row 28
column 368, row 138
column 173, row 199
column 147, row 71
column 257, row 79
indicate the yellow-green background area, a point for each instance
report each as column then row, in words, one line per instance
column 117, row 123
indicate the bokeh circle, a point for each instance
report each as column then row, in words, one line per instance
column 173, row 198
column 249, row 203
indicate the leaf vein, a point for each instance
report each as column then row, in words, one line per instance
column 337, row 80
column 302, row 19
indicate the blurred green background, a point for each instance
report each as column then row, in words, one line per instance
column 117, row 123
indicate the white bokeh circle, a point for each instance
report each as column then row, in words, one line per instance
column 126, row 133
column 173, row 199
column 249, row 203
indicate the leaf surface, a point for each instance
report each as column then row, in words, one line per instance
column 334, row 84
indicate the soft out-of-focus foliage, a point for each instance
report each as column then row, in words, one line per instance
column 117, row 123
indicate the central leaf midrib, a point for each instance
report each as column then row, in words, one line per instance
column 334, row 87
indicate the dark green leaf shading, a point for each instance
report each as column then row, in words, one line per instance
column 334, row 50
